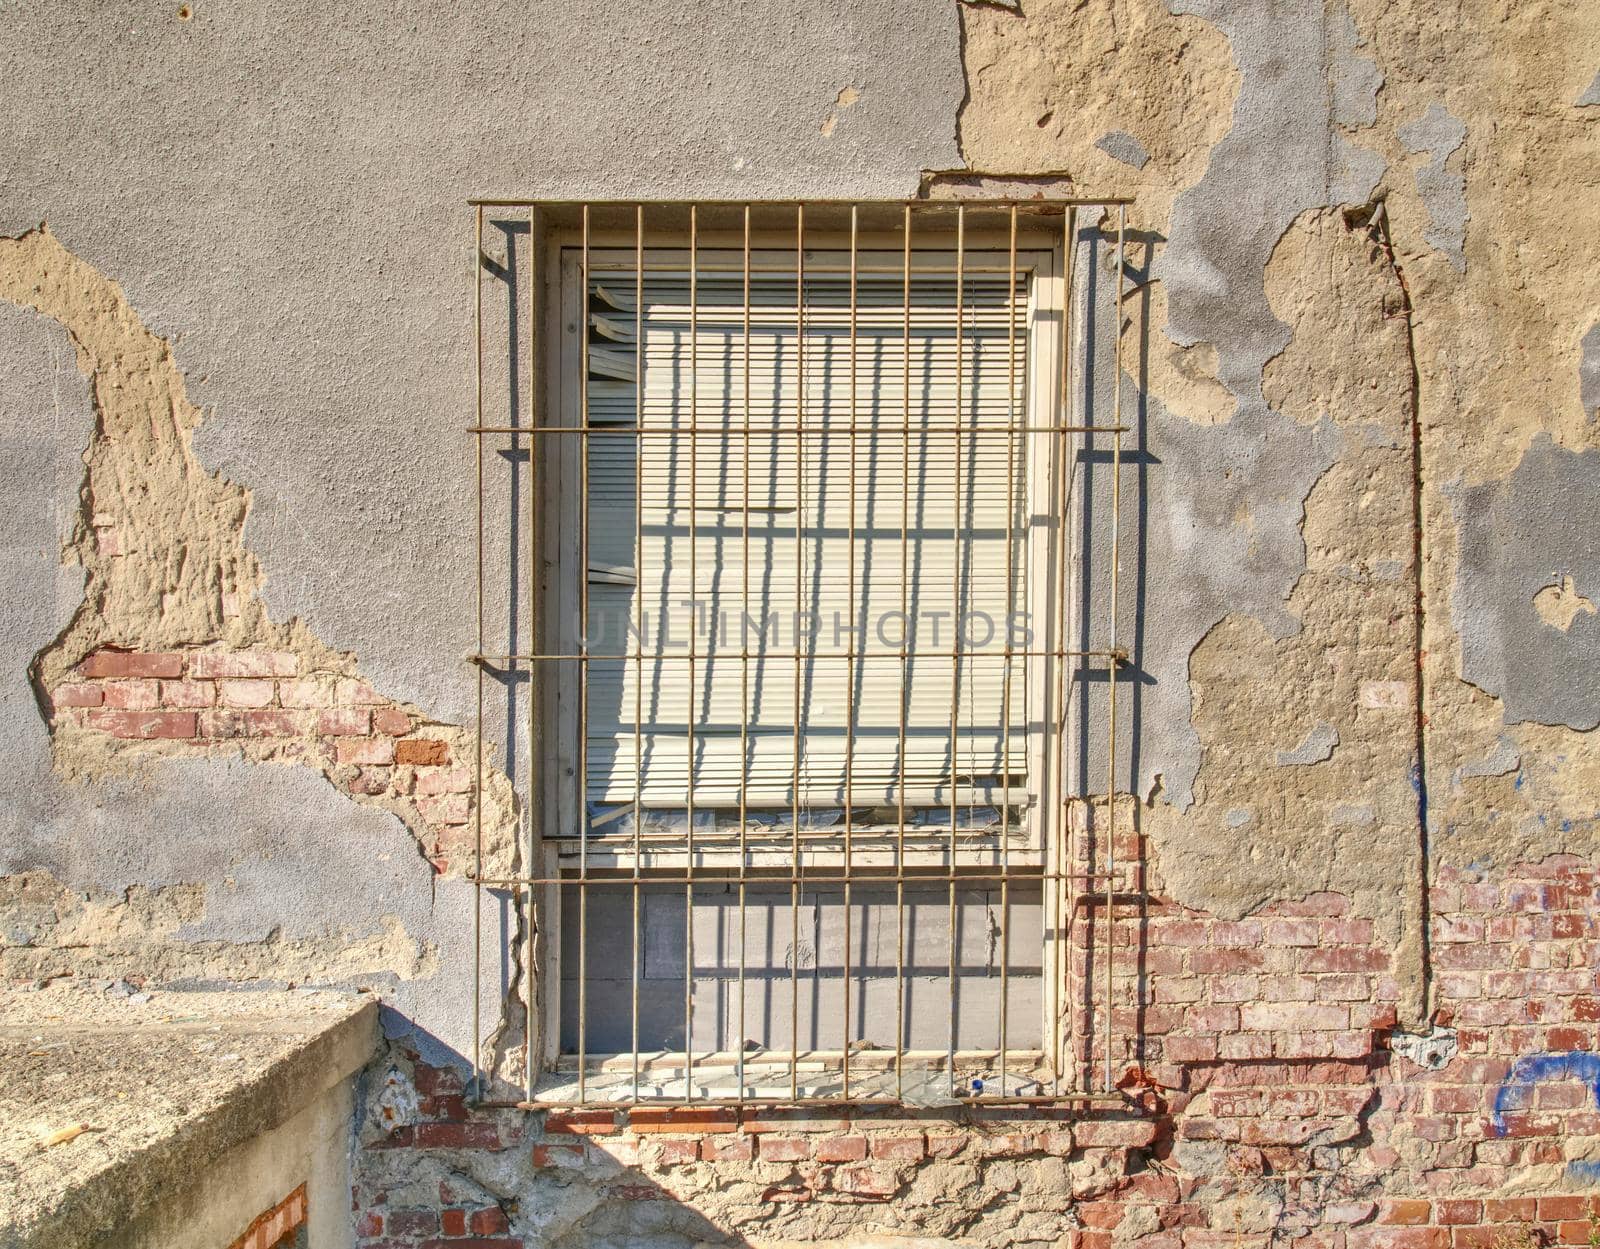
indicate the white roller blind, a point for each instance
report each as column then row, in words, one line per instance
column 675, row 494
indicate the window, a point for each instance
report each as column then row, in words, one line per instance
column 802, row 500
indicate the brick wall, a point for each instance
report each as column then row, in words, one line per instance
column 1269, row 1100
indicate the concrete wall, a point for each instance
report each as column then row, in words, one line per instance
column 1362, row 356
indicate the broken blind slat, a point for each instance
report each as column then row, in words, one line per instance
column 942, row 546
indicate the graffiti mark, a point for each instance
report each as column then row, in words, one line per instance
column 1527, row 1073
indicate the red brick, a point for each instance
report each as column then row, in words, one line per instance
column 132, row 695
column 345, row 722
column 1556, row 1209
column 1370, row 1237
column 145, row 725
column 490, row 1221
column 580, row 1123
column 312, row 691
column 470, row 1242
column 785, row 1148
column 1511, row 1209
column 251, row 692
column 209, row 665
column 422, row 751
column 1407, row 1212
column 1457, row 1211
column 1102, row 1133
column 412, row 1222
column 1190, row 1049
column 370, row 1224
column 1344, row 959
column 696, row 1120
column 258, row 722
column 678, row 1150
column 1484, row 1236
column 367, row 750
column 736, row 1147
column 115, row 663
column 841, row 1149
column 898, row 1148
column 1293, row 1017
column 430, row 781
column 391, row 721
column 77, row 694
column 457, row 1136
column 453, row 1222
column 188, row 693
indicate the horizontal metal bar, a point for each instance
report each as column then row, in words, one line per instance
column 677, row 1102
column 503, row 661
column 815, row 431
column 862, row 876
column 1110, row 201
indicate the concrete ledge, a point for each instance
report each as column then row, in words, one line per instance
column 157, row 1088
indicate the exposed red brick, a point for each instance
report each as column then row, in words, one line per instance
column 115, row 663
column 453, row 1222
column 132, row 695
column 210, row 665
column 674, row 1151
column 696, row 1120
column 784, row 1148
column 353, row 693
column 898, row 1148
column 1560, row 1208
column 1405, row 1211
column 580, row 1123
column 430, row 781
column 422, row 751
column 474, row 1135
column 447, row 809
column 374, row 750
column 345, row 722
column 1125, row 1133
column 188, row 693
column 1451, row 1211
column 841, row 1149
column 490, row 1221
column 311, row 692
column 146, row 725
column 391, row 721
column 259, row 722
column 734, row 1148
column 77, row 694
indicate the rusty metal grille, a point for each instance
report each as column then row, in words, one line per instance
column 738, row 848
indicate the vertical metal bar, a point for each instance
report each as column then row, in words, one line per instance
column 694, row 685
column 1061, row 473
column 583, row 670
column 905, row 674
column 850, row 694
column 1111, row 645
column 535, row 345
column 744, row 665
column 799, row 560
column 1005, row 689
column 955, row 614
column 477, row 795
column 638, row 614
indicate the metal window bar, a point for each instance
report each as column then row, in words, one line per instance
column 1064, row 890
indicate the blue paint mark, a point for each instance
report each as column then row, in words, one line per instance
column 1584, row 1171
column 1517, row 784
column 1566, row 826
column 1516, row 1090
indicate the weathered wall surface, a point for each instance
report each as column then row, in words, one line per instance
column 1363, row 353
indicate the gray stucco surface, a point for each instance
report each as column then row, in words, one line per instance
column 289, row 207
column 1517, row 537
column 1589, row 372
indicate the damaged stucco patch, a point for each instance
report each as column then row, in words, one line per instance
column 1517, row 541
column 1439, row 136
column 160, row 539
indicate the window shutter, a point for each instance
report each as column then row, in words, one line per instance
column 800, row 521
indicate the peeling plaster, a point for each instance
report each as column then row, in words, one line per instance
column 1589, row 372
column 1356, row 76
column 1443, row 192
column 1280, row 158
column 1591, row 96
column 1517, row 537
